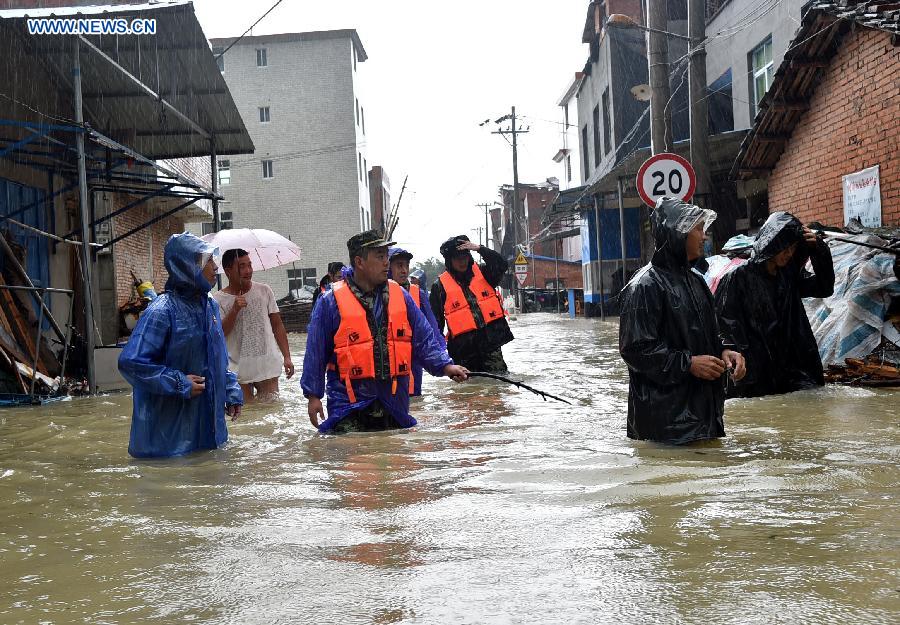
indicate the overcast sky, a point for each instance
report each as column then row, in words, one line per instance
column 435, row 70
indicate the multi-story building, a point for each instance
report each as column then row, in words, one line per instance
column 379, row 196
column 825, row 137
column 745, row 41
column 299, row 95
column 568, row 157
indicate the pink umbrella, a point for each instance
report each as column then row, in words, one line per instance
column 267, row 249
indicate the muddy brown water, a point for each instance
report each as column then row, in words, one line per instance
column 498, row 508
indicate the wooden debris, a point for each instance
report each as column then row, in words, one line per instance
column 869, row 371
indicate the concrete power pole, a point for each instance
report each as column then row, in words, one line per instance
column 515, row 207
column 699, row 107
column 486, row 206
column 658, row 68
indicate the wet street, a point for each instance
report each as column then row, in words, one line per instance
column 498, row 508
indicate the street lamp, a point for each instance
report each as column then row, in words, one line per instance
column 626, row 22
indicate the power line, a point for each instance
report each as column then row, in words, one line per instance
column 249, row 29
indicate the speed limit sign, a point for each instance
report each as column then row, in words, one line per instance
column 665, row 174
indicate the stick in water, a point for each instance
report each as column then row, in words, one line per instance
column 494, row 376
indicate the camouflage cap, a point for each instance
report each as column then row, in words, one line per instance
column 367, row 239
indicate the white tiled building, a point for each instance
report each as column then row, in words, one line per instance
column 298, row 94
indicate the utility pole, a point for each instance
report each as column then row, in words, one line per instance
column 515, row 207
column 699, row 108
column 658, row 69
column 86, row 278
column 486, row 206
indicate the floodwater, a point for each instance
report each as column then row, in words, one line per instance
column 497, row 508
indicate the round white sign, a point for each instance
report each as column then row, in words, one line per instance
column 665, row 174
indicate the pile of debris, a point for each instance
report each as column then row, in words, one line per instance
column 880, row 368
column 30, row 370
column 858, row 327
column 295, row 314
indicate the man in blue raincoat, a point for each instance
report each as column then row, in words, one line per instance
column 358, row 340
column 399, row 272
column 177, row 361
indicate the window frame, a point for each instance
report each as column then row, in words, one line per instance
column 268, row 168
column 607, row 122
column 585, row 152
column 262, row 57
column 265, row 112
column 219, row 55
column 223, row 165
column 765, row 71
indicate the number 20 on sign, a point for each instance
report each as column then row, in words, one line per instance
column 665, row 174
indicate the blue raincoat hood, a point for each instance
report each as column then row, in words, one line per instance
column 182, row 258
column 397, row 252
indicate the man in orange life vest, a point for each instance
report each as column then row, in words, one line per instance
column 464, row 298
column 333, row 275
column 399, row 272
column 365, row 333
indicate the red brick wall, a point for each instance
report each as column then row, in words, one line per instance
column 852, row 124
column 142, row 252
column 569, row 274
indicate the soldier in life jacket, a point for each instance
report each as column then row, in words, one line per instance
column 464, row 298
column 362, row 340
column 333, row 275
column 399, row 272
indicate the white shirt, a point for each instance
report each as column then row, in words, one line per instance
column 253, row 353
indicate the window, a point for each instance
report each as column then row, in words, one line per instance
column 362, row 114
column 366, row 169
column 357, row 112
column 597, row 153
column 261, row 60
column 220, row 60
column 568, row 168
column 762, row 71
column 607, row 126
column 362, row 218
column 225, row 223
column 585, row 155
column 268, row 170
column 354, row 56
column 298, row 278
column 721, row 108
column 224, row 172
column 264, row 116
column 359, row 154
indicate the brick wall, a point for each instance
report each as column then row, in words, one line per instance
column 852, row 124
column 569, row 273
column 142, row 252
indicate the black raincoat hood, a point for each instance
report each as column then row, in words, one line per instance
column 672, row 220
column 779, row 232
column 448, row 251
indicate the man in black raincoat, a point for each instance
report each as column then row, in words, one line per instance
column 478, row 348
column 669, row 337
column 761, row 310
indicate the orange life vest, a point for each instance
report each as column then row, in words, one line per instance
column 416, row 294
column 456, row 308
column 354, row 345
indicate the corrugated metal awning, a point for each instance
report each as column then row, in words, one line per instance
column 161, row 94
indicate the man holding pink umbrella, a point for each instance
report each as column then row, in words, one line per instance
column 257, row 342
